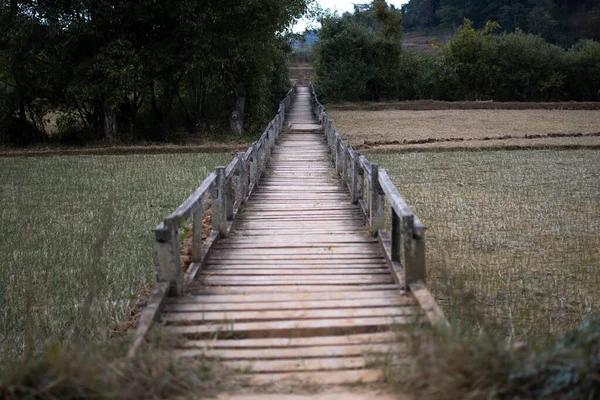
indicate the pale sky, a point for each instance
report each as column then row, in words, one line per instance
column 341, row 6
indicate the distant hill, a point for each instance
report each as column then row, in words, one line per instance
column 307, row 41
column 558, row 21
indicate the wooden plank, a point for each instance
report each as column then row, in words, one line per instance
column 434, row 313
column 293, row 353
column 299, row 328
column 309, row 268
column 235, row 253
column 283, row 245
column 290, row 305
column 279, row 315
column 233, row 271
column 320, row 378
column 297, row 364
column 353, row 293
column 296, row 280
column 289, row 262
column 325, row 239
column 364, row 338
column 205, row 251
column 289, row 289
column 150, row 315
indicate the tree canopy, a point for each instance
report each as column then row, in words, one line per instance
column 141, row 68
column 559, row 21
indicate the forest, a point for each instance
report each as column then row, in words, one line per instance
column 558, row 21
column 140, row 70
column 360, row 58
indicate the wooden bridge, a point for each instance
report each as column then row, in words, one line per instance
column 298, row 278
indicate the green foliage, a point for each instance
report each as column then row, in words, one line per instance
column 357, row 57
column 119, row 68
column 557, row 21
column 474, row 65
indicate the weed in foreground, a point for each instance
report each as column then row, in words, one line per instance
column 103, row 372
column 446, row 365
column 513, row 238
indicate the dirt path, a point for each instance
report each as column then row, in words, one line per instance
column 117, row 150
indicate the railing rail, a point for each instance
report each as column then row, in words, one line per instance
column 369, row 186
column 227, row 188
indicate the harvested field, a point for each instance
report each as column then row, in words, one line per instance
column 425, row 105
column 77, row 243
column 211, row 147
column 513, row 237
column 475, row 129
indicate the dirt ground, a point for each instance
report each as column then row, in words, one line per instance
column 468, row 129
column 230, row 147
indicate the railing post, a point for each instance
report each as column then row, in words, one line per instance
column 345, row 164
column 252, row 166
column 168, row 259
column 228, row 198
column 396, row 237
column 414, row 251
column 376, row 202
column 197, row 234
column 357, row 179
column 218, row 207
column 337, row 154
column 241, row 188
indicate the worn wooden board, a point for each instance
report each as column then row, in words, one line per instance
column 339, row 340
column 299, row 328
column 290, row 305
column 293, row 353
column 347, row 293
column 299, row 289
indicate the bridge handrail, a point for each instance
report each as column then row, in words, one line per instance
column 225, row 198
column 369, row 186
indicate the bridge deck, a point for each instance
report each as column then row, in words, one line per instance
column 299, row 289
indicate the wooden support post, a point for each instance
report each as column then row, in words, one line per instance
column 197, row 234
column 338, row 158
column 396, row 252
column 376, row 202
column 241, row 188
column 357, row 179
column 342, row 166
column 168, row 261
column 219, row 214
column 228, row 198
column 414, row 251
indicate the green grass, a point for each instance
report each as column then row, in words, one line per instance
column 513, row 239
column 53, row 262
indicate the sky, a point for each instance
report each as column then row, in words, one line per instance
column 342, row 6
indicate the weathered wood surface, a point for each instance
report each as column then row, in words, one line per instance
column 300, row 288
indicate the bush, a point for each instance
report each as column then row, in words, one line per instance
column 354, row 61
column 583, row 71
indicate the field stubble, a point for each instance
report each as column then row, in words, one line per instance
column 473, row 129
column 513, row 237
column 76, row 239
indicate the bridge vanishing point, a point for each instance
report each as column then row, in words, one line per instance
column 298, row 278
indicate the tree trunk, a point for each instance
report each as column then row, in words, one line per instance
column 110, row 123
column 236, row 117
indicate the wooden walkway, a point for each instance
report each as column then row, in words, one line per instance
column 299, row 289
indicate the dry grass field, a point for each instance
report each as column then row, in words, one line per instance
column 76, row 239
column 513, row 236
column 474, row 129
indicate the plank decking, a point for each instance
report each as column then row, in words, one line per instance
column 299, row 289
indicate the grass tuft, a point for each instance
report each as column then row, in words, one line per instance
column 103, row 372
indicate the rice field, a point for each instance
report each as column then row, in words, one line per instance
column 513, row 238
column 76, row 243
column 481, row 129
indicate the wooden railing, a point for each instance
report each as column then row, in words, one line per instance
column 225, row 189
column 370, row 186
